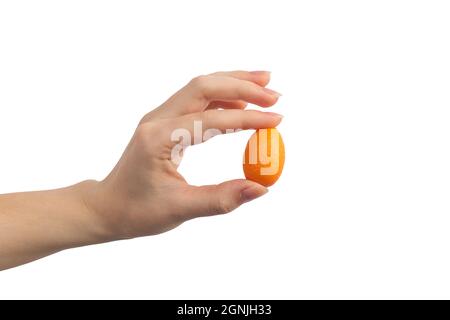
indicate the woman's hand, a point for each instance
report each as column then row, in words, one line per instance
column 145, row 194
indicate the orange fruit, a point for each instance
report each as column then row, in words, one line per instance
column 264, row 157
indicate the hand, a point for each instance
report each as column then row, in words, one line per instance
column 144, row 194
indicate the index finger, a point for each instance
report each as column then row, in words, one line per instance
column 204, row 125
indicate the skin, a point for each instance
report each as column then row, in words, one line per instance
column 144, row 194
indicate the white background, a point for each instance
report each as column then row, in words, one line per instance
column 362, row 209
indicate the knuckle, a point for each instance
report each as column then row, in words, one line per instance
column 223, row 206
column 200, row 82
column 141, row 133
column 145, row 134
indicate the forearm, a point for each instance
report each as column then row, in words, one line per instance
column 37, row 224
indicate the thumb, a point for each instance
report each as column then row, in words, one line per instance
column 222, row 198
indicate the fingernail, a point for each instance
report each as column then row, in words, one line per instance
column 272, row 92
column 259, row 72
column 253, row 192
column 275, row 114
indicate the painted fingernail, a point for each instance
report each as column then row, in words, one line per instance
column 253, row 192
column 272, row 92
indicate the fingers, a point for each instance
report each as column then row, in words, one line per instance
column 203, row 125
column 210, row 88
column 201, row 91
column 261, row 78
column 221, row 198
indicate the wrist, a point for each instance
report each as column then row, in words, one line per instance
column 98, row 228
